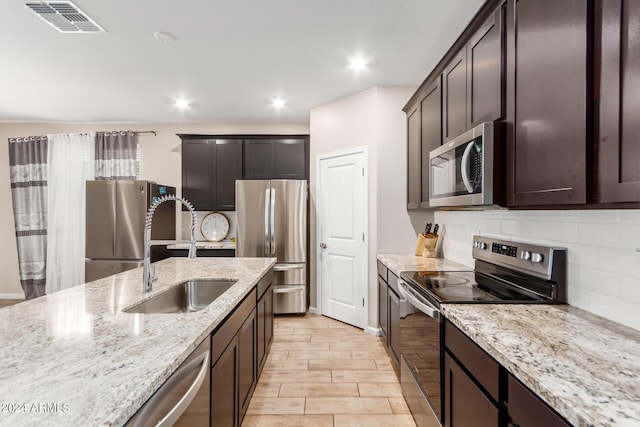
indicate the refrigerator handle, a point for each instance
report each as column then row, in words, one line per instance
column 273, row 221
column 267, row 202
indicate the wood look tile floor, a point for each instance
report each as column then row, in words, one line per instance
column 8, row 302
column 322, row 372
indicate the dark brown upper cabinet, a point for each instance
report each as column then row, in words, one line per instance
column 228, row 169
column 454, row 96
column 210, row 168
column 197, row 158
column 472, row 80
column 276, row 159
column 547, row 101
column 211, row 165
column 258, row 159
column 431, row 133
column 485, row 72
column 618, row 135
column 424, row 133
column 414, row 177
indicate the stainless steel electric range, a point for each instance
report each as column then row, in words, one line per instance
column 505, row 272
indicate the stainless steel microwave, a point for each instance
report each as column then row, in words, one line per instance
column 469, row 170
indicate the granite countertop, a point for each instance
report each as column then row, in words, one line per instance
column 586, row 367
column 87, row 362
column 225, row 244
column 407, row 262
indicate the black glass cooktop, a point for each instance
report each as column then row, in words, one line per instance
column 461, row 287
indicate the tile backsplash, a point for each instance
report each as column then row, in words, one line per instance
column 603, row 272
column 185, row 232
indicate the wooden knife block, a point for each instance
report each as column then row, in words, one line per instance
column 429, row 246
column 426, row 246
column 420, row 245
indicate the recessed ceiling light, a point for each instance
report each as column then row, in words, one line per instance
column 358, row 64
column 278, row 103
column 182, row 103
column 164, row 37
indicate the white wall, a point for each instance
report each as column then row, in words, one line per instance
column 603, row 262
column 160, row 161
column 372, row 118
column 397, row 228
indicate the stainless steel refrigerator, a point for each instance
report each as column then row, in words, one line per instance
column 116, row 213
column 272, row 222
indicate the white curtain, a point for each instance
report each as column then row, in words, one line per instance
column 71, row 161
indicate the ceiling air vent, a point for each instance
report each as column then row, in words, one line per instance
column 65, row 17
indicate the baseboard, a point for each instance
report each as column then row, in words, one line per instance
column 313, row 310
column 11, row 296
column 376, row 332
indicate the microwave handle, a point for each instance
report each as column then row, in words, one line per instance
column 466, row 156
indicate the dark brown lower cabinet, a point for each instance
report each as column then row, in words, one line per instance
column 527, row 410
column 389, row 313
column 246, row 362
column 382, row 306
column 239, row 348
column 224, row 390
column 465, row 403
column 265, row 328
column 233, row 374
column 394, row 327
column 202, row 253
column 479, row 392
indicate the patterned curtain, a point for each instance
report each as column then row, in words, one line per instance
column 116, row 155
column 28, row 170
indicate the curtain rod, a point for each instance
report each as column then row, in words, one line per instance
column 147, row 131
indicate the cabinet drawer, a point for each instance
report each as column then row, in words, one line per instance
column 527, row 410
column 228, row 329
column 393, row 283
column 382, row 271
column 264, row 284
column 482, row 366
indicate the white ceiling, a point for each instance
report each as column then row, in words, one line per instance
column 229, row 58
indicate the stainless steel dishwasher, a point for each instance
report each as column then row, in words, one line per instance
column 183, row 400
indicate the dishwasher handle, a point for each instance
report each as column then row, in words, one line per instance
column 146, row 417
column 186, row 400
column 417, row 301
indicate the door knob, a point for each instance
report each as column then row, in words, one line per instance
column 323, row 245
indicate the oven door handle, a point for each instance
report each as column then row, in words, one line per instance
column 417, row 301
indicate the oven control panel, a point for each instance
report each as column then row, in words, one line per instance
column 507, row 250
column 528, row 257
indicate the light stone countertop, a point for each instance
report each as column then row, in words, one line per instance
column 586, row 367
column 76, row 348
column 407, row 262
column 225, row 244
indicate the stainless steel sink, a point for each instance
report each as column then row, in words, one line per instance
column 185, row 297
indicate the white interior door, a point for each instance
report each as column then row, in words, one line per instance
column 341, row 227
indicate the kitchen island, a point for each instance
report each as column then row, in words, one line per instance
column 75, row 358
